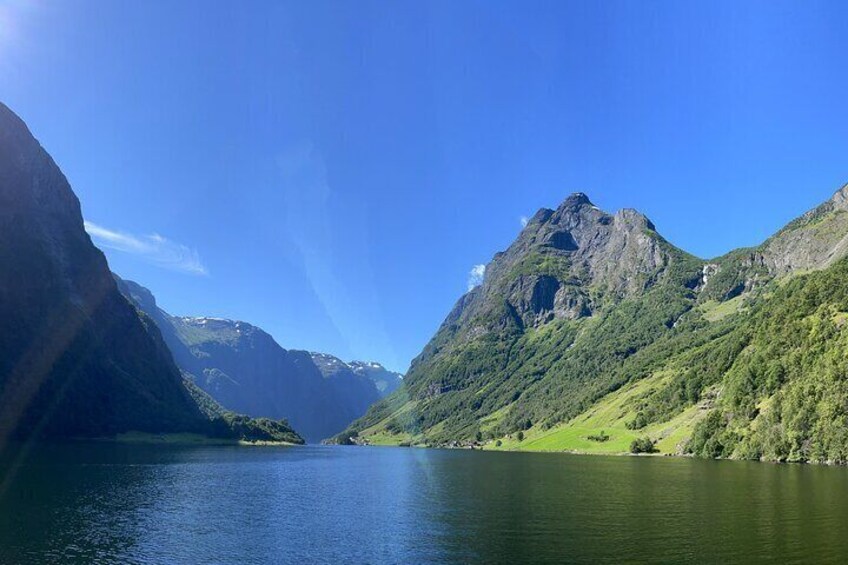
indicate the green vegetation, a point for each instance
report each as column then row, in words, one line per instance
column 741, row 357
column 189, row 439
column 514, row 381
column 541, row 263
column 642, row 445
column 600, row 438
column 229, row 426
column 715, row 311
column 783, row 397
column 716, row 379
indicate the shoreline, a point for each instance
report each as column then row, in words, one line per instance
column 678, row 456
column 185, row 439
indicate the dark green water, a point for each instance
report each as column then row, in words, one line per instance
column 136, row 504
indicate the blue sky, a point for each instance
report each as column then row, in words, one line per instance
column 332, row 171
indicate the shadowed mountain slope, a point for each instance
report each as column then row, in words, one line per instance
column 75, row 358
column 244, row 369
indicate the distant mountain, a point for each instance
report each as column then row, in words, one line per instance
column 386, row 381
column 245, row 370
column 366, row 375
column 76, row 360
column 591, row 332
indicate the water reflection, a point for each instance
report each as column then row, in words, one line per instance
column 110, row 503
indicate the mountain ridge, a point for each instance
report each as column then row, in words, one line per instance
column 584, row 304
column 246, row 370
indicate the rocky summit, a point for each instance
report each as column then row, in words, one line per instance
column 593, row 333
column 570, row 262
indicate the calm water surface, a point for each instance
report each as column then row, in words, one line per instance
column 173, row 505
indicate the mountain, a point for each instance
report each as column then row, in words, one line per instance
column 76, row 360
column 367, row 373
column 574, row 271
column 592, row 333
column 358, row 389
column 812, row 242
column 386, row 381
column 245, row 370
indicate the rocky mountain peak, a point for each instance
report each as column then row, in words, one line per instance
column 576, row 199
column 573, row 208
column 840, row 198
column 386, row 381
column 540, row 217
column 567, row 263
column 632, row 218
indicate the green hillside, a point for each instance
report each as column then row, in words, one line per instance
column 741, row 357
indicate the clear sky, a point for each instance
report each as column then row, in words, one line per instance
column 333, row 171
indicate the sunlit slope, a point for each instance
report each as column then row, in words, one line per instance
column 548, row 333
column 740, row 354
column 604, row 428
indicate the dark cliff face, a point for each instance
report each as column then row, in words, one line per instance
column 246, row 371
column 75, row 359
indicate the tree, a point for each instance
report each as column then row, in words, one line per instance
column 520, row 436
column 643, row 445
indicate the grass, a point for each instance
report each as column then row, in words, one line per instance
column 492, row 421
column 379, row 435
column 183, row 439
column 610, row 416
column 714, row 310
column 385, row 438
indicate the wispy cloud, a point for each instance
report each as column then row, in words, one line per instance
column 476, row 276
column 523, row 220
column 152, row 248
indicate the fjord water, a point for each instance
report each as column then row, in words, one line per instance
column 108, row 503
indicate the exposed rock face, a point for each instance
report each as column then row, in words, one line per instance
column 244, row 369
column 814, row 241
column 75, row 359
column 565, row 264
